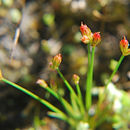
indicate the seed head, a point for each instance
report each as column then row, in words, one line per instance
column 54, row 64
column 87, row 35
column 96, row 39
column 124, row 46
column 84, row 29
column 76, row 79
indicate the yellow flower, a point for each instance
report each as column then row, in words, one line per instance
column 1, row 77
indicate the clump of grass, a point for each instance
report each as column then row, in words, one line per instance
column 77, row 112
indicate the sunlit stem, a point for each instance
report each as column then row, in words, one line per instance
column 89, row 80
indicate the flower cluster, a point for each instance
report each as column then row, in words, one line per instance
column 42, row 82
column 54, row 64
column 76, row 79
column 88, row 36
column 124, row 46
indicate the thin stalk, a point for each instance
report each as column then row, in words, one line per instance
column 66, row 83
column 79, row 92
column 80, row 97
column 89, row 82
column 51, row 91
column 71, row 90
column 44, row 102
column 56, row 115
column 74, row 105
column 66, row 105
column 88, row 73
column 102, row 97
column 115, row 70
column 89, row 62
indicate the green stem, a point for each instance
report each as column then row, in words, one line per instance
column 80, row 97
column 115, row 70
column 89, row 62
column 89, row 81
column 102, row 97
column 66, row 105
column 79, row 92
column 66, row 83
column 71, row 90
column 51, row 91
column 75, row 105
column 88, row 73
column 44, row 102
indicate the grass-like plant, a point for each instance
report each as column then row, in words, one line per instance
column 77, row 112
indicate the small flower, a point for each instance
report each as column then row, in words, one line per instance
column 96, row 39
column 42, row 83
column 54, row 64
column 85, row 39
column 76, row 79
column 87, row 35
column 85, row 30
column 124, row 46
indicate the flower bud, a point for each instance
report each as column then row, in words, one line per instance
column 42, row 83
column 87, row 35
column 124, row 46
column 85, row 30
column 54, row 64
column 76, row 79
column 96, row 39
column 85, row 39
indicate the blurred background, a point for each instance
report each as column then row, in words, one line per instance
column 49, row 27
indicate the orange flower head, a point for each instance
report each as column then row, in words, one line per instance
column 54, row 64
column 96, row 39
column 124, row 46
column 87, row 35
column 85, row 30
column 76, row 79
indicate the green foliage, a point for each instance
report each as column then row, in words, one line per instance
column 48, row 19
column 79, row 114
